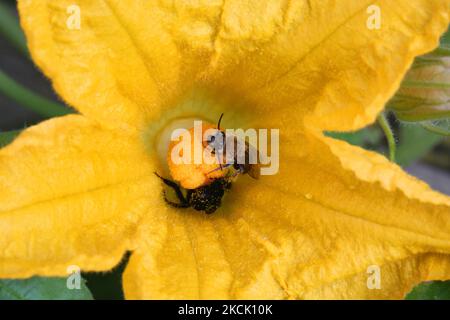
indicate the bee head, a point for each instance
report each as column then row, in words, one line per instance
column 216, row 141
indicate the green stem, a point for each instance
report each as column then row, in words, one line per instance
column 383, row 122
column 29, row 99
column 10, row 29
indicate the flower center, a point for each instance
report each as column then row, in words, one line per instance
column 193, row 125
column 165, row 137
column 197, row 106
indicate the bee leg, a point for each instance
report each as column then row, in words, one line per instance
column 219, row 159
column 189, row 196
column 235, row 174
column 221, row 167
column 174, row 204
column 228, row 185
column 184, row 203
column 239, row 170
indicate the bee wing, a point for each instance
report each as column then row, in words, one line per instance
column 253, row 168
column 254, row 171
column 250, row 148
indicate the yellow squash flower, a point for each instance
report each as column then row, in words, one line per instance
column 80, row 189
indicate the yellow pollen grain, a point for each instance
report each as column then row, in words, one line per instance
column 191, row 175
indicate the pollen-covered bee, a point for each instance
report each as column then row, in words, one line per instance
column 206, row 198
column 243, row 164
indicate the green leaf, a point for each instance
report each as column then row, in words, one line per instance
column 433, row 290
column 441, row 127
column 38, row 288
column 445, row 40
column 414, row 143
column 7, row 137
column 368, row 138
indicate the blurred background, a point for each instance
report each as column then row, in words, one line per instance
column 422, row 153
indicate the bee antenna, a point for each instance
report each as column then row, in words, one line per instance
column 220, row 120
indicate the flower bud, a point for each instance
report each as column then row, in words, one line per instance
column 425, row 91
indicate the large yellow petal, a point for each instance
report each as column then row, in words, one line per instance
column 127, row 60
column 338, row 208
column 296, row 58
column 312, row 231
column 319, row 59
column 396, row 277
column 72, row 193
